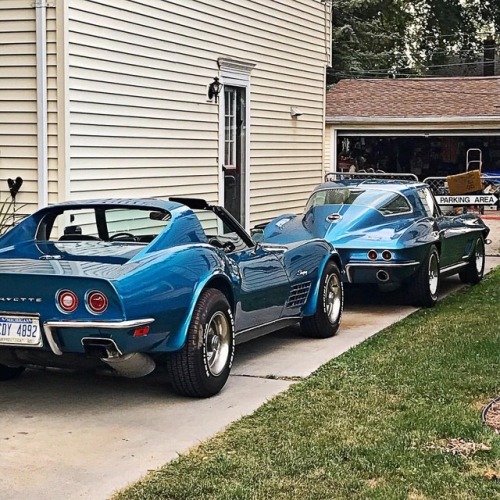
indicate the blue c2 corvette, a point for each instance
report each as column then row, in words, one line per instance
column 391, row 233
column 131, row 284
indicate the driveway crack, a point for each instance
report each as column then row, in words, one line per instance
column 270, row 377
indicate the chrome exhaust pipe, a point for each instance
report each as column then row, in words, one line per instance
column 383, row 276
column 133, row 365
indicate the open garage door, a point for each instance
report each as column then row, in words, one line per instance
column 435, row 153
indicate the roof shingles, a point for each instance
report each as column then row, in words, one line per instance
column 414, row 98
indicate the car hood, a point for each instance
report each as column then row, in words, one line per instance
column 339, row 224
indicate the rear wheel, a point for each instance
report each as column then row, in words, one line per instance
column 10, row 372
column 325, row 321
column 425, row 285
column 474, row 271
column 202, row 366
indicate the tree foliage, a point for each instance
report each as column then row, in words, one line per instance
column 393, row 37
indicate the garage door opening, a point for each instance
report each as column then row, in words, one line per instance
column 423, row 156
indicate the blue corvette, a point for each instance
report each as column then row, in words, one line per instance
column 391, row 233
column 131, row 284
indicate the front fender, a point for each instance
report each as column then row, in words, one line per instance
column 330, row 255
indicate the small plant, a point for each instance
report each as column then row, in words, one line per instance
column 8, row 206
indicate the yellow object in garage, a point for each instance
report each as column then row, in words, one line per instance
column 468, row 182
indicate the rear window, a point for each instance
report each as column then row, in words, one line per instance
column 385, row 201
column 111, row 224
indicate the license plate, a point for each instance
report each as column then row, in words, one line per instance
column 20, row 330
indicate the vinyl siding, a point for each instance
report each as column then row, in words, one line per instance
column 18, row 114
column 140, row 123
column 18, row 102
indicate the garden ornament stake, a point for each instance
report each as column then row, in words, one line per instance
column 14, row 187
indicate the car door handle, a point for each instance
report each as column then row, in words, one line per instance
column 273, row 248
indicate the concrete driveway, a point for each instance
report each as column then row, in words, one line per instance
column 70, row 435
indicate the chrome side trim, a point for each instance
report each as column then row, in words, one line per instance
column 454, row 266
column 381, row 265
column 48, row 327
column 287, row 318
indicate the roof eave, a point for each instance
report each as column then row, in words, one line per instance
column 410, row 119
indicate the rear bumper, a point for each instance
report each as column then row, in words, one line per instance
column 366, row 272
column 54, row 331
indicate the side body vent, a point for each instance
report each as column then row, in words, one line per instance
column 298, row 294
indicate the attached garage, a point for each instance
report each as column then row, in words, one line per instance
column 428, row 127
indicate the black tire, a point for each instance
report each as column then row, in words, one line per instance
column 325, row 321
column 10, row 372
column 424, row 288
column 474, row 271
column 201, row 368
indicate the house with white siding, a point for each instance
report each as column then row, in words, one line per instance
column 108, row 98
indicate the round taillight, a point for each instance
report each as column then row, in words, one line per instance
column 386, row 255
column 67, row 301
column 97, row 302
column 372, row 255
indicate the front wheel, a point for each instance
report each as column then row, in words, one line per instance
column 425, row 285
column 474, row 271
column 201, row 368
column 325, row 321
column 10, row 372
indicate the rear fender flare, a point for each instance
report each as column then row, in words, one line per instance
column 178, row 340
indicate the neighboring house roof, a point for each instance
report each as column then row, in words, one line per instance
column 414, row 99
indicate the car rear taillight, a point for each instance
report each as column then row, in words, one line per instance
column 386, row 255
column 67, row 301
column 372, row 255
column 97, row 302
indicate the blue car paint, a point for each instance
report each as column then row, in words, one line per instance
column 161, row 280
column 356, row 229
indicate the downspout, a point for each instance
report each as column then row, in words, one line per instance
column 41, row 94
column 333, row 150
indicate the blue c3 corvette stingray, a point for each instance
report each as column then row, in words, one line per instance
column 391, row 233
column 132, row 283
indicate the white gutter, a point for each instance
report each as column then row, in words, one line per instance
column 42, row 98
column 411, row 119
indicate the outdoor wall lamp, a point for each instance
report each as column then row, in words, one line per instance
column 214, row 90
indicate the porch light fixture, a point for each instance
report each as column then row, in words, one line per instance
column 214, row 90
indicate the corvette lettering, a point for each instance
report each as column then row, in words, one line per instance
column 20, row 299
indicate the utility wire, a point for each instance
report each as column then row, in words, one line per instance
column 423, row 89
column 395, row 69
column 428, row 37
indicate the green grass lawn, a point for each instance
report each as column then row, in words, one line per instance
column 397, row 417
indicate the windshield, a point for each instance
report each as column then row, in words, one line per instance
column 385, row 201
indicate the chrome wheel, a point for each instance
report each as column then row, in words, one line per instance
column 433, row 274
column 333, row 298
column 217, row 343
column 479, row 254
